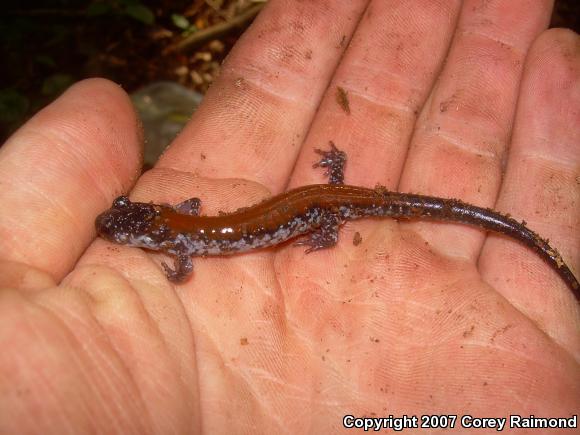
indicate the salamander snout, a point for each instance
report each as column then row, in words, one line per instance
column 126, row 222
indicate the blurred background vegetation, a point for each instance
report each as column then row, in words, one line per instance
column 48, row 45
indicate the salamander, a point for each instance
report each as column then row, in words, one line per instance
column 316, row 211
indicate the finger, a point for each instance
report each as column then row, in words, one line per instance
column 386, row 73
column 464, row 128
column 60, row 169
column 541, row 185
column 253, row 121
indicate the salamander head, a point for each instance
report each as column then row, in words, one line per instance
column 131, row 223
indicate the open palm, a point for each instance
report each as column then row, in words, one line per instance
column 466, row 100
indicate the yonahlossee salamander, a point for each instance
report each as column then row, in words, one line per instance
column 317, row 209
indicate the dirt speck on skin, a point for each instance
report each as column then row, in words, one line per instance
column 342, row 100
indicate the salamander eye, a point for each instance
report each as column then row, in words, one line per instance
column 121, row 202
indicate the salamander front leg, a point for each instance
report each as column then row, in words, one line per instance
column 324, row 236
column 189, row 207
column 334, row 160
column 183, row 268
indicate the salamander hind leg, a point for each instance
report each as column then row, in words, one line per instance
column 334, row 160
column 189, row 207
column 183, row 268
column 325, row 236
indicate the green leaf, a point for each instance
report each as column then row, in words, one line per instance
column 180, row 21
column 45, row 60
column 56, row 84
column 140, row 13
column 191, row 29
column 13, row 105
column 98, row 8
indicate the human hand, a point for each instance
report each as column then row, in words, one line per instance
column 420, row 318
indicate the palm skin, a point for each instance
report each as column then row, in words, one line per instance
column 419, row 318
